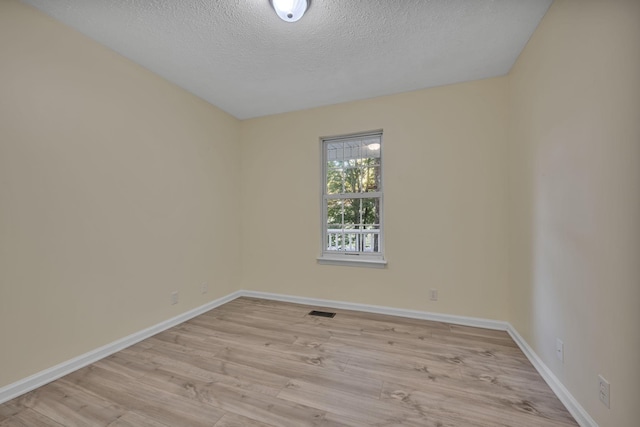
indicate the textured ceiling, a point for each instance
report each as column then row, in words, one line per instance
column 239, row 56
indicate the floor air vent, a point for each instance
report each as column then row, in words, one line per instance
column 321, row 313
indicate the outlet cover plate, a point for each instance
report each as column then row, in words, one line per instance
column 604, row 391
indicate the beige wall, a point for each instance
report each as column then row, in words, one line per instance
column 574, row 157
column 445, row 201
column 116, row 188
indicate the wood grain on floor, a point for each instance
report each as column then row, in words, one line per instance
column 260, row 363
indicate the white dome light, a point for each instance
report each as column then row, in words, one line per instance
column 290, row 10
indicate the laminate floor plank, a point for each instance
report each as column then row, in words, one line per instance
column 483, row 332
column 177, row 376
column 331, row 420
column 521, row 384
column 263, row 408
column 278, row 362
column 444, row 401
column 29, row 418
column 254, row 311
column 398, row 322
column 126, row 365
column 266, row 304
column 331, row 376
column 9, row 409
column 225, row 327
column 380, row 327
column 228, row 337
column 475, row 342
column 365, row 411
column 253, row 306
column 429, row 349
column 156, row 404
column 180, row 340
column 261, row 363
column 294, row 353
column 234, row 420
column 132, row 419
column 300, row 327
column 71, row 408
column 208, row 368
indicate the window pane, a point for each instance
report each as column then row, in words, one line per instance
column 353, row 225
column 352, row 180
column 354, row 212
column 371, row 178
column 361, row 178
column 353, row 165
column 335, row 180
column 334, row 214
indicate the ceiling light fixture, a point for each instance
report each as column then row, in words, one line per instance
column 290, row 10
column 374, row 146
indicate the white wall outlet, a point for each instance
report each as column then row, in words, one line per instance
column 433, row 295
column 604, row 390
column 560, row 350
column 174, row 297
column 204, row 288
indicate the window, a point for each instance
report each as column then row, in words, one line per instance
column 352, row 199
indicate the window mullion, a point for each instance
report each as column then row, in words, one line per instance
column 371, row 195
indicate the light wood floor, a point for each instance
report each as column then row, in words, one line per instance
column 256, row 363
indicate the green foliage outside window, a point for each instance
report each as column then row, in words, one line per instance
column 353, row 176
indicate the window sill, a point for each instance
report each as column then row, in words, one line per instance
column 353, row 261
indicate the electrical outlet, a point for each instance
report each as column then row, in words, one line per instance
column 604, row 389
column 560, row 350
column 433, row 295
column 174, row 297
column 204, row 288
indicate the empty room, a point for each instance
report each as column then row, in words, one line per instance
column 290, row 213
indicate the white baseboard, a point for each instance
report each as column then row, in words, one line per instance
column 415, row 314
column 578, row 412
column 41, row 378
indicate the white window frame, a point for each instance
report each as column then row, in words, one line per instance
column 350, row 258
